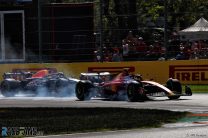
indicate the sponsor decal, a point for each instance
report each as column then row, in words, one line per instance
column 189, row 72
column 111, row 69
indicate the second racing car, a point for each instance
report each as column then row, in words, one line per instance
column 42, row 82
column 126, row 87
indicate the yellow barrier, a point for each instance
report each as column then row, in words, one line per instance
column 187, row 71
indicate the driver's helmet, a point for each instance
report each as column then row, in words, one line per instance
column 125, row 72
column 138, row 77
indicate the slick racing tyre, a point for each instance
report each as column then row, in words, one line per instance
column 175, row 86
column 9, row 88
column 82, row 91
column 135, row 92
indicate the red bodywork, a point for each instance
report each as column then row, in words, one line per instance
column 118, row 83
column 40, row 74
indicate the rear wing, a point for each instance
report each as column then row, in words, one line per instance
column 29, row 75
column 95, row 74
column 96, row 77
column 17, row 75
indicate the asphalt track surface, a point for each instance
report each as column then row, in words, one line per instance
column 197, row 103
column 190, row 132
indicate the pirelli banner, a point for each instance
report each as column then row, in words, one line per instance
column 187, row 71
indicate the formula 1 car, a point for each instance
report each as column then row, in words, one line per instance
column 35, row 83
column 103, row 85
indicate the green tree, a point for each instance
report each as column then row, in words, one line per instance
column 120, row 16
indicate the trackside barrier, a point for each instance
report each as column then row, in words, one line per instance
column 187, row 71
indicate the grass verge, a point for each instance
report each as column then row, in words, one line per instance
column 71, row 120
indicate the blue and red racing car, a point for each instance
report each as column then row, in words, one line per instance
column 42, row 82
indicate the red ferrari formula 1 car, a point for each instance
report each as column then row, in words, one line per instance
column 128, row 87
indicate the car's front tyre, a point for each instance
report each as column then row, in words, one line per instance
column 82, row 91
column 175, row 86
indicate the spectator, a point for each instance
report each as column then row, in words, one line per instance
column 157, row 49
column 141, row 47
column 131, row 41
column 180, row 56
column 195, row 50
column 116, row 56
column 108, row 56
column 183, row 54
column 125, row 47
column 187, row 51
column 154, row 51
column 97, row 57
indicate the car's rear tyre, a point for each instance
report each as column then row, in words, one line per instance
column 9, row 88
column 175, row 86
column 82, row 91
column 135, row 92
